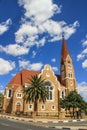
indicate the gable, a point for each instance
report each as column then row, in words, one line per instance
column 48, row 74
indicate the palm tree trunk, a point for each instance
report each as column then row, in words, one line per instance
column 35, row 108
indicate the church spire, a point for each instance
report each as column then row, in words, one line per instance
column 64, row 51
column 66, row 68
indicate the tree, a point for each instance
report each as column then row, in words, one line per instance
column 36, row 91
column 1, row 100
column 73, row 100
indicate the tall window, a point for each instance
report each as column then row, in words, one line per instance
column 70, row 74
column 50, row 88
column 63, row 94
column 9, row 93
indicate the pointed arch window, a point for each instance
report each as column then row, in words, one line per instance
column 63, row 94
column 50, row 88
column 70, row 74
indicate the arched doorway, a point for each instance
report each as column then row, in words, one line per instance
column 18, row 107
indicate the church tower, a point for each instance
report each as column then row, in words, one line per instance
column 67, row 69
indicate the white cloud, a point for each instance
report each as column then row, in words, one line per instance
column 5, row 26
column 70, row 29
column 37, row 26
column 52, row 27
column 41, row 42
column 82, row 89
column 34, row 54
column 55, row 68
column 28, row 34
column 84, row 64
column 80, row 56
column 53, row 60
column 1, row 89
column 39, row 11
column 23, row 64
column 14, row 49
column 83, row 53
column 25, row 31
column 36, row 66
column 6, row 66
column 84, row 43
column 55, row 29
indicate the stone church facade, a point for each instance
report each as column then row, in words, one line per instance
column 59, row 87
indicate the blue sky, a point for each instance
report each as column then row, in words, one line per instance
column 30, row 37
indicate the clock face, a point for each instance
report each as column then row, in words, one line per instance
column 47, row 74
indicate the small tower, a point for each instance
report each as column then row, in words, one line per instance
column 66, row 69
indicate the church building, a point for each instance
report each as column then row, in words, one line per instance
column 59, row 87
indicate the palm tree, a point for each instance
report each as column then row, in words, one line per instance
column 36, row 91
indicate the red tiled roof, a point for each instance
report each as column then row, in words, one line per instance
column 15, row 87
column 27, row 74
column 16, row 79
column 65, row 51
column 24, row 77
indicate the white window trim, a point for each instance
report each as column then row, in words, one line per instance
column 52, row 107
column 29, row 107
column 48, row 100
column 17, row 95
column 42, row 108
column 8, row 93
column 64, row 93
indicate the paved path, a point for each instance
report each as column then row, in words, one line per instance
column 63, row 125
column 10, row 124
